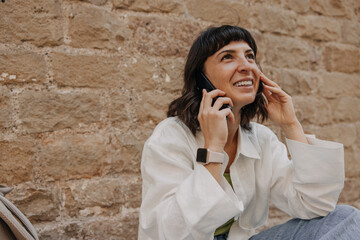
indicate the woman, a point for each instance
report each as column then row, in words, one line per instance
column 209, row 173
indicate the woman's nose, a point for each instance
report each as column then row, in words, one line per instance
column 244, row 65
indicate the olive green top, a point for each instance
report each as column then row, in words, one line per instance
column 225, row 228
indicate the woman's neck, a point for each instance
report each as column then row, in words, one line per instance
column 233, row 130
column 232, row 142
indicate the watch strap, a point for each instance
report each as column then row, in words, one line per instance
column 206, row 156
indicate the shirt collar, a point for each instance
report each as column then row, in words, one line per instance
column 246, row 146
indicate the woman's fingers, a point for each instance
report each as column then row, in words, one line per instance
column 226, row 112
column 273, row 91
column 208, row 110
column 267, row 81
column 267, row 94
column 201, row 108
column 209, row 97
column 221, row 101
column 277, row 93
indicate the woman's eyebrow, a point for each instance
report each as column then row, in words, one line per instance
column 226, row 51
column 233, row 51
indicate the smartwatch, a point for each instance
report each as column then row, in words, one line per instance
column 206, row 156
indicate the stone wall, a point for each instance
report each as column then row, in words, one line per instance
column 83, row 83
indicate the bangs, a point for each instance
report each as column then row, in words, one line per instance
column 215, row 38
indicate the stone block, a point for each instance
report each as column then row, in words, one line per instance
column 298, row 6
column 124, row 227
column 329, row 7
column 344, row 133
column 71, row 156
column 335, row 84
column 120, row 108
column 164, row 6
column 39, row 204
column 316, row 56
column 50, row 232
column 86, row 71
column 222, row 12
column 96, row 2
column 276, row 3
column 42, row 111
column 345, row 109
column 125, row 152
column 118, row 227
column 91, row 27
column 5, row 107
column 351, row 190
column 139, row 72
column 350, row 32
column 157, row 36
column 269, row 19
column 19, row 66
column 103, row 196
column 352, row 161
column 355, row 160
column 357, row 124
column 295, row 82
column 259, row 39
column 64, row 229
column 286, row 52
column 319, row 28
column 356, row 8
column 312, row 110
column 37, row 22
column 172, row 76
column 342, row 58
column 272, row 73
column 101, row 192
column 153, row 107
column 17, row 160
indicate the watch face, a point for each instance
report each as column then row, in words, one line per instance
column 201, row 155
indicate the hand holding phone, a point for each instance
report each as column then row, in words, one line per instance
column 204, row 83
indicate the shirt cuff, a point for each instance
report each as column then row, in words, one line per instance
column 317, row 162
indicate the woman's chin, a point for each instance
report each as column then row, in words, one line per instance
column 244, row 101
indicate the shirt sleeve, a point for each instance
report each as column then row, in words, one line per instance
column 181, row 199
column 309, row 184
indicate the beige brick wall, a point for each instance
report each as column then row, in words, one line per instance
column 83, row 83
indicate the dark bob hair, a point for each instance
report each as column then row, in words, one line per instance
column 208, row 43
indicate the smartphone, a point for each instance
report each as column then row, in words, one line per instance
column 204, row 83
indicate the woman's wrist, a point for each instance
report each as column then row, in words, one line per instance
column 294, row 131
column 214, row 147
column 291, row 127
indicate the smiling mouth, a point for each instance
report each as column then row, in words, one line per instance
column 244, row 83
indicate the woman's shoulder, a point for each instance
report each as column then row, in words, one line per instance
column 260, row 129
column 170, row 128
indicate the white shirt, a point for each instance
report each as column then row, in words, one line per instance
column 182, row 200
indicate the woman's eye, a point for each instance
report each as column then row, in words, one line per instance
column 226, row 56
column 251, row 56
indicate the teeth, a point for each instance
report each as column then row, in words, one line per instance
column 243, row 83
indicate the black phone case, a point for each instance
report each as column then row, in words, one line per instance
column 204, row 83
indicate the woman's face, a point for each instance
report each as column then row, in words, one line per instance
column 233, row 70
